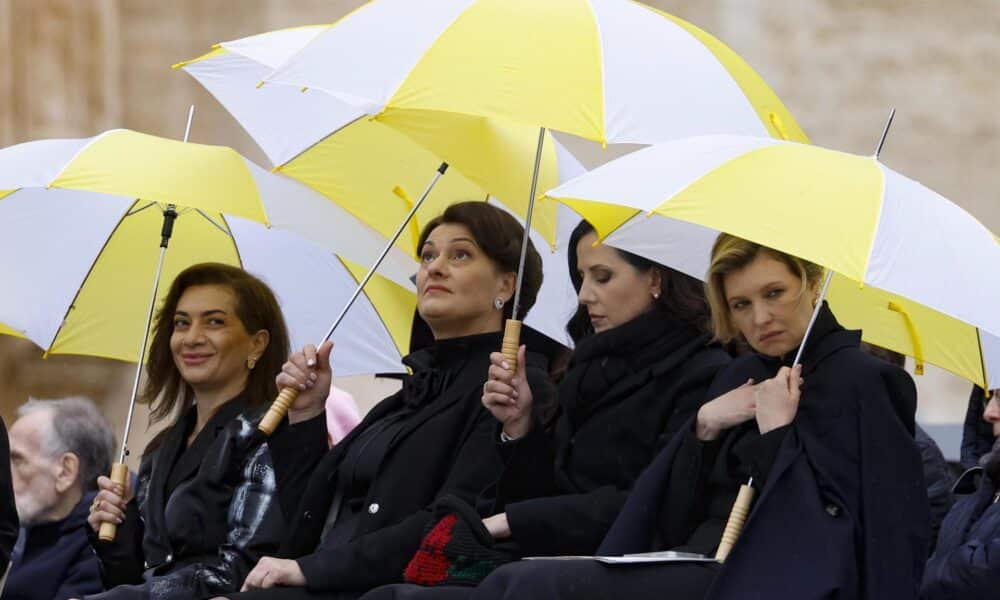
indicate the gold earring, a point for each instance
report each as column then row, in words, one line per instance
column 251, row 363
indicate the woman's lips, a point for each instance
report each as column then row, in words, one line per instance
column 195, row 359
column 436, row 288
column 769, row 335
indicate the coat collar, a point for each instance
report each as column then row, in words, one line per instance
column 172, row 451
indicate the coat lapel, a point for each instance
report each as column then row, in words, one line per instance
column 163, row 460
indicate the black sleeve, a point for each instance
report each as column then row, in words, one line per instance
column 296, row 451
column 381, row 556
column 684, row 506
column 977, row 435
column 121, row 561
column 8, row 510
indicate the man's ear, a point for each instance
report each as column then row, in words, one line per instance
column 68, row 472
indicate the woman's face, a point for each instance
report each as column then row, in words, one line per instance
column 457, row 284
column 209, row 343
column 612, row 290
column 766, row 305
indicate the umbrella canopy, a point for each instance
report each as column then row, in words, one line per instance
column 612, row 71
column 335, row 148
column 86, row 259
column 355, row 161
column 851, row 214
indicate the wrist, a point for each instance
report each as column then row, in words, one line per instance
column 296, row 416
column 516, row 428
column 704, row 429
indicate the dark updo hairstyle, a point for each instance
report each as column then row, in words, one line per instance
column 682, row 297
column 498, row 235
column 256, row 309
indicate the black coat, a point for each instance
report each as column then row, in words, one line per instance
column 977, row 434
column 8, row 510
column 447, row 446
column 843, row 513
column 625, row 392
column 966, row 563
column 939, row 480
column 202, row 537
column 54, row 561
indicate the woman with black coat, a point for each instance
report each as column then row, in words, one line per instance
column 8, row 509
column 841, row 510
column 206, row 505
column 367, row 504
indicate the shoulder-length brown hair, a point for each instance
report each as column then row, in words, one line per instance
column 731, row 254
column 256, row 308
column 499, row 236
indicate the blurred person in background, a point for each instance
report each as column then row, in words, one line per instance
column 8, row 510
column 977, row 433
column 58, row 449
column 966, row 561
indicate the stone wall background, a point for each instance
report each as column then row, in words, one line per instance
column 73, row 68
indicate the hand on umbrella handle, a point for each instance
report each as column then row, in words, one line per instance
column 119, row 475
column 511, row 342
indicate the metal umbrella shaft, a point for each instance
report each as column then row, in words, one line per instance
column 279, row 408
column 119, row 471
column 512, row 328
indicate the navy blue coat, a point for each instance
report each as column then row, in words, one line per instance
column 966, row 563
column 8, row 510
column 843, row 513
column 55, row 560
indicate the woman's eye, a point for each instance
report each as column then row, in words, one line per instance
column 739, row 305
column 426, row 256
column 460, row 255
column 179, row 323
column 774, row 293
column 216, row 322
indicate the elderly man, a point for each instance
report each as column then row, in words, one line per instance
column 8, row 511
column 58, row 448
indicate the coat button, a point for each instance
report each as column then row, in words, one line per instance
column 145, row 565
column 373, row 508
column 307, row 515
column 170, row 558
column 833, row 510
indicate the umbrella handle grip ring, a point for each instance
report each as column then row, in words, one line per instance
column 734, row 526
column 511, row 342
column 119, row 475
column 279, row 408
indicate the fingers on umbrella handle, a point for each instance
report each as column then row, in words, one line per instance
column 119, row 475
column 278, row 410
column 511, row 342
column 738, row 516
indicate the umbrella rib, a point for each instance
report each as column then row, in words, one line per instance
column 138, row 210
column 228, row 231
column 221, row 228
column 83, row 282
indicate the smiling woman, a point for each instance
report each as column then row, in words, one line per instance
column 207, row 502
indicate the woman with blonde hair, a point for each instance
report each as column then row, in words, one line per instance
column 841, row 510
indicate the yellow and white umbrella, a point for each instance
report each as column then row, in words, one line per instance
column 81, row 226
column 355, row 162
column 612, row 71
column 335, row 148
column 913, row 266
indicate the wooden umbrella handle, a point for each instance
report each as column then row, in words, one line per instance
column 511, row 342
column 738, row 516
column 119, row 475
column 279, row 408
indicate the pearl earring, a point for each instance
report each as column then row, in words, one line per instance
column 498, row 303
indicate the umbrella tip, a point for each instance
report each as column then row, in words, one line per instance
column 885, row 132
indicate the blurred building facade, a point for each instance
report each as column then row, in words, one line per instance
column 73, row 68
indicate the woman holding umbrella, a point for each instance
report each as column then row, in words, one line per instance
column 205, row 506
column 367, row 504
column 841, row 510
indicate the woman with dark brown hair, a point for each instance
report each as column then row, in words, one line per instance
column 367, row 504
column 205, row 505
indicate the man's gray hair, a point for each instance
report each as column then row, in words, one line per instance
column 77, row 427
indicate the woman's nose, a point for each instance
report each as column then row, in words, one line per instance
column 992, row 412
column 586, row 295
